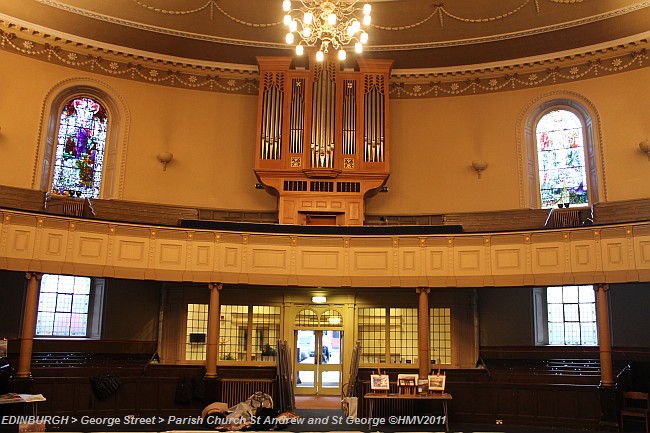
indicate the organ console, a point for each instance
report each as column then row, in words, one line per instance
column 322, row 137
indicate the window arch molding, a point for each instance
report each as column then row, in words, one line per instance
column 116, row 137
column 584, row 109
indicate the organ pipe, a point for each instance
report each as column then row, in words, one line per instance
column 323, row 116
column 374, row 120
column 297, row 123
column 271, row 127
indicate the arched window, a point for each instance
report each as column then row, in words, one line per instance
column 82, row 142
column 560, row 152
column 561, row 159
column 79, row 155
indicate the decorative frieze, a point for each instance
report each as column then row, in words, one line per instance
column 244, row 79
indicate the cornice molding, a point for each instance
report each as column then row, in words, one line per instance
column 592, row 62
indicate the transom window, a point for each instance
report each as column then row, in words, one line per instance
column 561, row 159
column 64, row 306
column 571, row 315
column 79, row 156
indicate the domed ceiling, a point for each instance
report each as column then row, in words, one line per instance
column 416, row 34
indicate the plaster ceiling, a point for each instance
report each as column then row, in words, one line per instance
column 416, row 34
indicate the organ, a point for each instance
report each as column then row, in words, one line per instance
column 322, row 137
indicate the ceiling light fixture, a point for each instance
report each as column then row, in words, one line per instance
column 325, row 24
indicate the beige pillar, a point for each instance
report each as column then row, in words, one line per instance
column 604, row 335
column 214, row 315
column 29, row 324
column 424, row 356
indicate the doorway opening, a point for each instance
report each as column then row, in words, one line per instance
column 319, row 361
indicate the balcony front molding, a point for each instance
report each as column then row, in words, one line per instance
column 36, row 242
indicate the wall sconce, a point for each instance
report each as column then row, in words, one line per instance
column 259, row 186
column 383, row 189
column 645, row 147
column 479, row 165
column 319, row 299
column 165, row 158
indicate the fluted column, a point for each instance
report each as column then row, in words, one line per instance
column 214, row 314
column 604, row 335
column 424, row 357
column 29, row 324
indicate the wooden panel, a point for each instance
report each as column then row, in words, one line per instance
column 141, row 212
column 370, row 260
column 311, row 260
column 21, row 198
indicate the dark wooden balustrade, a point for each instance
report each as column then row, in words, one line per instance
column 628, row 211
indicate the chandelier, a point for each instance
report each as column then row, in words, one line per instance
column 327, row 24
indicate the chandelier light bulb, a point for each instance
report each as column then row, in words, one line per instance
column 331, row 19
column 366, row 8
column 286, row 5
column 306, row 32
column 356, row 25
column 358, row 47
column 300, row 50
column 363, row 38
column 319, row 56
column 342, row 54
column 308, row 18
column 366, row 20
column 287, row 19
column 351, row 31
column 289, row 38
column 293, row 26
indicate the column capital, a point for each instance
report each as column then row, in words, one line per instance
column 36, row 275
column 603, row 286
column 423, row 290
column 217, row 286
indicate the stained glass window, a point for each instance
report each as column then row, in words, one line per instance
column 80, row 148
column 63, row 306
column 561, row 160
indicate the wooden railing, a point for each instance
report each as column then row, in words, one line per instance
column 471, row 222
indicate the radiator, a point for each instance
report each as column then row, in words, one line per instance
column 234, row 391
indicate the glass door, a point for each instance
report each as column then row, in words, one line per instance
column 318, row 362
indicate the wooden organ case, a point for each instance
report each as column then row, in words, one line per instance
column 322, row 138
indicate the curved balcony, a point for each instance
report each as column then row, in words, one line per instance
column 255, row 254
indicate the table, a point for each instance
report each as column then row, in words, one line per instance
column 444, row 397
column 29, row 400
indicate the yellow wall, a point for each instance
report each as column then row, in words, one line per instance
column 433, row 142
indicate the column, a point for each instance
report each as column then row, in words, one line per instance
column 424, row 356
column 29, row 324
column 604, row 335
column 214, row 315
